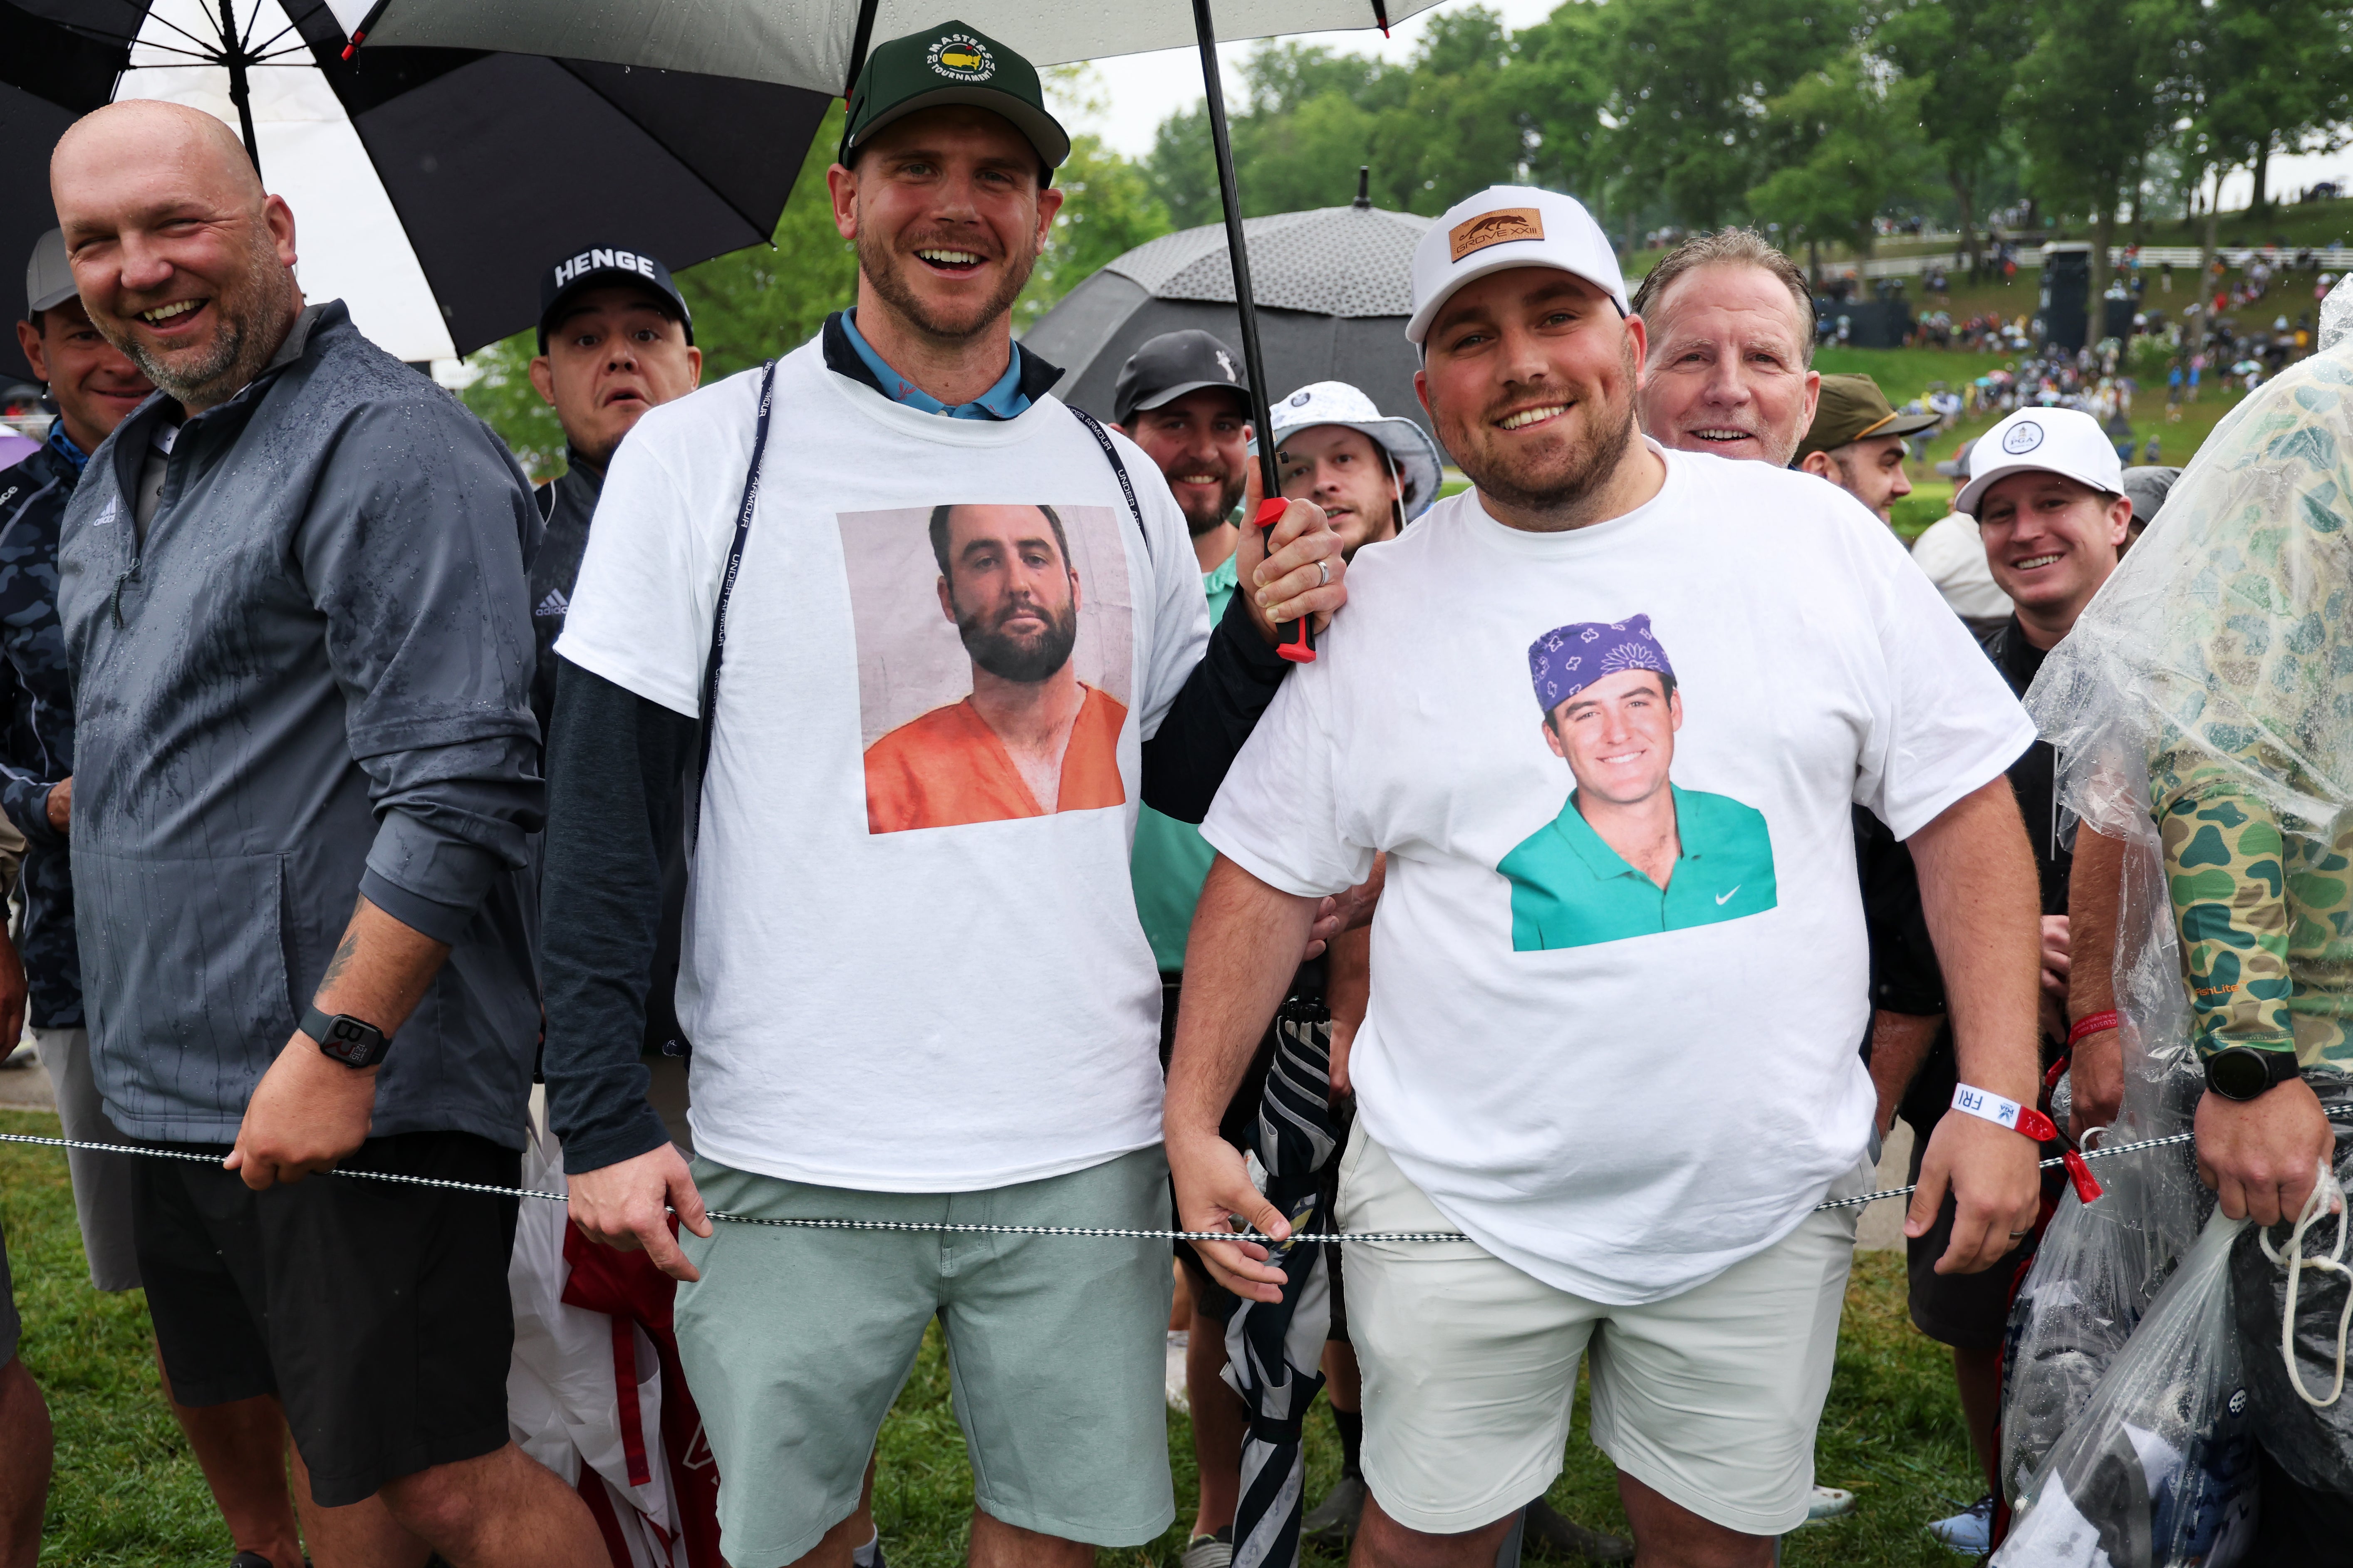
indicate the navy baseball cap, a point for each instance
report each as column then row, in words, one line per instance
column 604, row 265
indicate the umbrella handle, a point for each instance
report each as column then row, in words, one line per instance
column 1298, row 637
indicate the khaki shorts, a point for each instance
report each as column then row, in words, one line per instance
column 1710, row 1398
column 797, row 1342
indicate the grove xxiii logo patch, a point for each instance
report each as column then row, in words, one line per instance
column 960, row 57
column 1493, row 229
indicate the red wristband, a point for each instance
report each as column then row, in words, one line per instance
column 2092, row 1023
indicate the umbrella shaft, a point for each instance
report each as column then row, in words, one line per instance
column 1229, row 196
column 241, row 91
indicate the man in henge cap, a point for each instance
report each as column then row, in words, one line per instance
column 616, row 340
column 1630, row 852
column 948, row 1018
column 1516, row 1092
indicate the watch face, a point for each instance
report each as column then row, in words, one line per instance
column 2238, row 1074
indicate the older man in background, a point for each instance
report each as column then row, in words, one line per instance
column 305, row 534
column 1729, row 368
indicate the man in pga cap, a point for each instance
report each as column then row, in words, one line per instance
column 1611, row 1205
column 911, row 1024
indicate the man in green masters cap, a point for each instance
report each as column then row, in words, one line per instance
column 1856, row 442
column 967, row 592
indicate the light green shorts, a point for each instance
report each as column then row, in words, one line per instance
column 797, row 1342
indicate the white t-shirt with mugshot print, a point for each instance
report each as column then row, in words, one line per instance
column 1621, row 1089
column 902, row 971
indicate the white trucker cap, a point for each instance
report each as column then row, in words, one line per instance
column 1504, row 227
column 2061, row 441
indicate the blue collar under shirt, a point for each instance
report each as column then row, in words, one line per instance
column 1006, row 400
column 66, row 448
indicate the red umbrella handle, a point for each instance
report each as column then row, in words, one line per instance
column 1298, row 644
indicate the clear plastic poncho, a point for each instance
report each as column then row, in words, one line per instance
column 2202, row 710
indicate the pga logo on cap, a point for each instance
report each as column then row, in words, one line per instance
column 2023, row 437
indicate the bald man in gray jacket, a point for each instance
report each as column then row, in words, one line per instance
column 293, row 593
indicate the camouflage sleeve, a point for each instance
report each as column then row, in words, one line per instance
column 2224, row 865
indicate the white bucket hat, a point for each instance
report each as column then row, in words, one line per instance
column 1407, row 445
column 2061, row 441
column 1505, row 227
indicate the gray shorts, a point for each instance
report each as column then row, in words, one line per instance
column 102, row 1182
column 798, row 1341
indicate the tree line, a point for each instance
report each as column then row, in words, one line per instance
column 1811, row 119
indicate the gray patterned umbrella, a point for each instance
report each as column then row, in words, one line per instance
column 1334, row 289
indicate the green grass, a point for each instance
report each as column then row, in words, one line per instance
column 128, row 1495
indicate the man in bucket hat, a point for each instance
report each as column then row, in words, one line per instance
column 1515, row 1094
column 1372, row 473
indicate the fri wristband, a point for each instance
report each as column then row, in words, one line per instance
column 2024, row 1120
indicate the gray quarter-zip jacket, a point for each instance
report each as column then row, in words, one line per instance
column 309, row 681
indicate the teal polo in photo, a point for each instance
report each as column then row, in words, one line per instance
column 1570, row 889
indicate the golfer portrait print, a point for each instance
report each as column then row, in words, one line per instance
column 1632, row 853
column 994, row 667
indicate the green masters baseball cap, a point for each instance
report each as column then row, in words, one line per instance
column 1852, row 408
column 951, row 63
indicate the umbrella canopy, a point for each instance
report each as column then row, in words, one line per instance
column 822, row 43
column 814, row 43
column 1334, row 287
column 1275, row 1350
column 430, row 186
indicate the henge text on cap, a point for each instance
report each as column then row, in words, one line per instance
column 1493, row 229
column 960, row 57
column 594, row 260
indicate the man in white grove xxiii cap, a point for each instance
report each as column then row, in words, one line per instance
column 1630, row 1126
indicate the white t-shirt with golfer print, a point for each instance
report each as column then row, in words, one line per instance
column 903, row 971
column 1619, row 1088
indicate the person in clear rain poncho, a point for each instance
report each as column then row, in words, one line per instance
column 2203, row 714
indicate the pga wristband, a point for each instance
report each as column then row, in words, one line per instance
column 2029, row 1122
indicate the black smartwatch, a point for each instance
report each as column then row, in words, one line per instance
column 2243, row 1073
column 347, row 1040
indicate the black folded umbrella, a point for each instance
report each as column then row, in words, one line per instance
column 1275, row 1350
column 431, row 187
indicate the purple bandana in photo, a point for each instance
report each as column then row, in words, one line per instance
column 1566, row 659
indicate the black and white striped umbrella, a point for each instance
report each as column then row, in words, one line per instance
column 1275, row 1350
column 431, row 186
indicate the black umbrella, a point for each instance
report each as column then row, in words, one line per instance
column 1275, row 1349
column 431, row 186
column 1333, row 293
column 821, row 44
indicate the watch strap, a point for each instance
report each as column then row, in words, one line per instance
column 350, row 1041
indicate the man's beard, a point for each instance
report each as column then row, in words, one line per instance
column 258, row 298
column 885, row 269
column 1558, row 484
column 1023, row 661
column 1230, row 496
